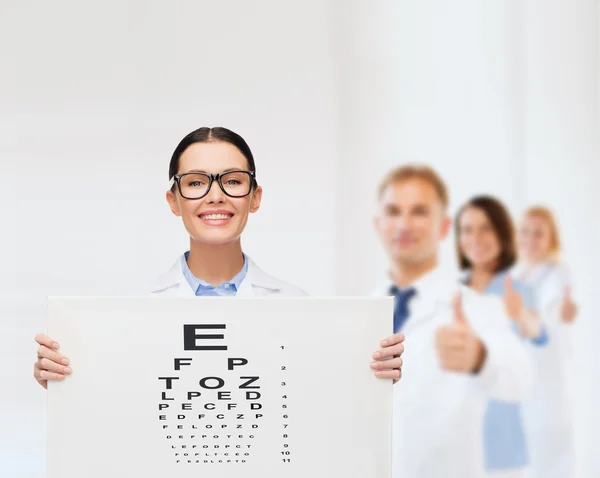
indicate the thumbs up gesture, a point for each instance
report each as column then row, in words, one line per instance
column 528, row 321
column 458, row 348
column 513, row 304
column 568, row 308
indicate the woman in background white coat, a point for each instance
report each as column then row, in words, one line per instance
column 549, row 414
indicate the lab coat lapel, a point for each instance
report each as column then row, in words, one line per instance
column 257, row 283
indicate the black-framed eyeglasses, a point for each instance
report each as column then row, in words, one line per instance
column 235, row 184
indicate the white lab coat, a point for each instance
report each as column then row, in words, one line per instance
column 548, row 414
column 256, row 284
column 438, row 415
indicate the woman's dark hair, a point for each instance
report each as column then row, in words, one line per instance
column 211, row 135
column 503, row 227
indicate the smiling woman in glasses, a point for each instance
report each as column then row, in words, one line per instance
column 213, row 188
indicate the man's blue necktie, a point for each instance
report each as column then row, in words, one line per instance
column 402, row 296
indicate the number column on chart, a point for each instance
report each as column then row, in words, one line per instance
column 285, row 412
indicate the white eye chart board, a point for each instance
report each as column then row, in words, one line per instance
column 220, row 388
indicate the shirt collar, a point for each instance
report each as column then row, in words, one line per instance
column 497, row 280
column 428, row 285
column 256, row 279
column 196, row 283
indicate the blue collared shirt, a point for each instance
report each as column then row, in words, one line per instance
column 504, row 439
column 202, row 288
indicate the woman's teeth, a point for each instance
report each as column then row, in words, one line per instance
column 216, row 217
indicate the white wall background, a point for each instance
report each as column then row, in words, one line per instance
column 500, row 96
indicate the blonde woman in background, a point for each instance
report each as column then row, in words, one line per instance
column 548, row 416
